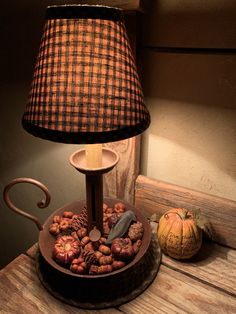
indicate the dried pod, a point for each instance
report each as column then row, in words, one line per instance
column 118, row 264
column 93, row 270
column 85, row 240
column 80, row 221
column 65, row 224
column 54, row 229
column 57, row 219
column 74, row 234
column 136, row 231
column 82, row 232
column 78, row 266
column 109, row 210
column 89, row 257
column 137, row 245
column 66, row 248
column 119, row 207
column 102, row 240
column 89, row 246
column 122, row 249
column 68, row 214
column 105, row 206
column 98, row 254
column 104, row 269
column 106, row 228
column 105, row 260
column 112, row 220
column 104, row 249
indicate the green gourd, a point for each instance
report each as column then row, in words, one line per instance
column 122, row 226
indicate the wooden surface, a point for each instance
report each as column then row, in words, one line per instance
column 190, row 24
column 204, row 284
column 195, row 287
column 153, row 196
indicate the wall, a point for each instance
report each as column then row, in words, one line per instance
column 189, row 78
column 23, row 155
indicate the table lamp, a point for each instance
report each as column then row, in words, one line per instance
column 86, row 89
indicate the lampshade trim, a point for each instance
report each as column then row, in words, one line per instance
column 83, row 12
column 86, row 137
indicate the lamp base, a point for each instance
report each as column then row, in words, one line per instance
column 98, row 295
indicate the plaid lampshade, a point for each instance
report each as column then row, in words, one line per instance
column 85, row 86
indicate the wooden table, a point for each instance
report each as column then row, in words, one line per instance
column 206, row 285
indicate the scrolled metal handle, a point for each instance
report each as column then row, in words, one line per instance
column 41, row 204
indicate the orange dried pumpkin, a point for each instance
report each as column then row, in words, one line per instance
column 178, row 233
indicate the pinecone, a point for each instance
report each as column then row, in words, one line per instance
column 80, row 221
column 66, row 232
column 136, row 231
column 89, row 258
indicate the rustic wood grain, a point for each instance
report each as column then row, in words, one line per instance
column 119, row 183
column 22, row 292
column 183, row 23
column 153, row 196
column 173, row 292
column 215, row 265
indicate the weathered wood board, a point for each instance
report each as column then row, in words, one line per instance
column 173, row 292
column 21, row 292
column 153, row 196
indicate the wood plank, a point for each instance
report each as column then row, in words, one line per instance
column 173, row 292
column 22, row 292
column 195, row 24
column 214, row 264
column 153, row 196
column 120, row 182
column 32, row 251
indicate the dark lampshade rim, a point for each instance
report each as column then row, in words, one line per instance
column 81, row 11
column 86, row 137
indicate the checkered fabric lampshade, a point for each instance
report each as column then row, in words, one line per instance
column 85, row 86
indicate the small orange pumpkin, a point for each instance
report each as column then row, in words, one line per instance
column 178, row 233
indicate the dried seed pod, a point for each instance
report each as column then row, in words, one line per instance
column 98, row 254
column 136, row 231
column 74, row 234
column 85, row 240
column 66, row 248
column 89, row 257
column 106, row 228
column 105, row 206
column 102, row 240
column 78, row 266
column 118, row 264
column 137, row 245
column 65, row 224
column 93, row 270
column 109, row 210
column 89, row 247
column 112, row 220
column 119, row 207
column 105, row 260
column 104, row 269
column 68, row 214
column 57, row 219
column 54, row 229
column 104, row 249
column 82, row 232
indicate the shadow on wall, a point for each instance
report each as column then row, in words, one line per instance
column 23, row 155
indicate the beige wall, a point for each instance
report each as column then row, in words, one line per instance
column 191, row 95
